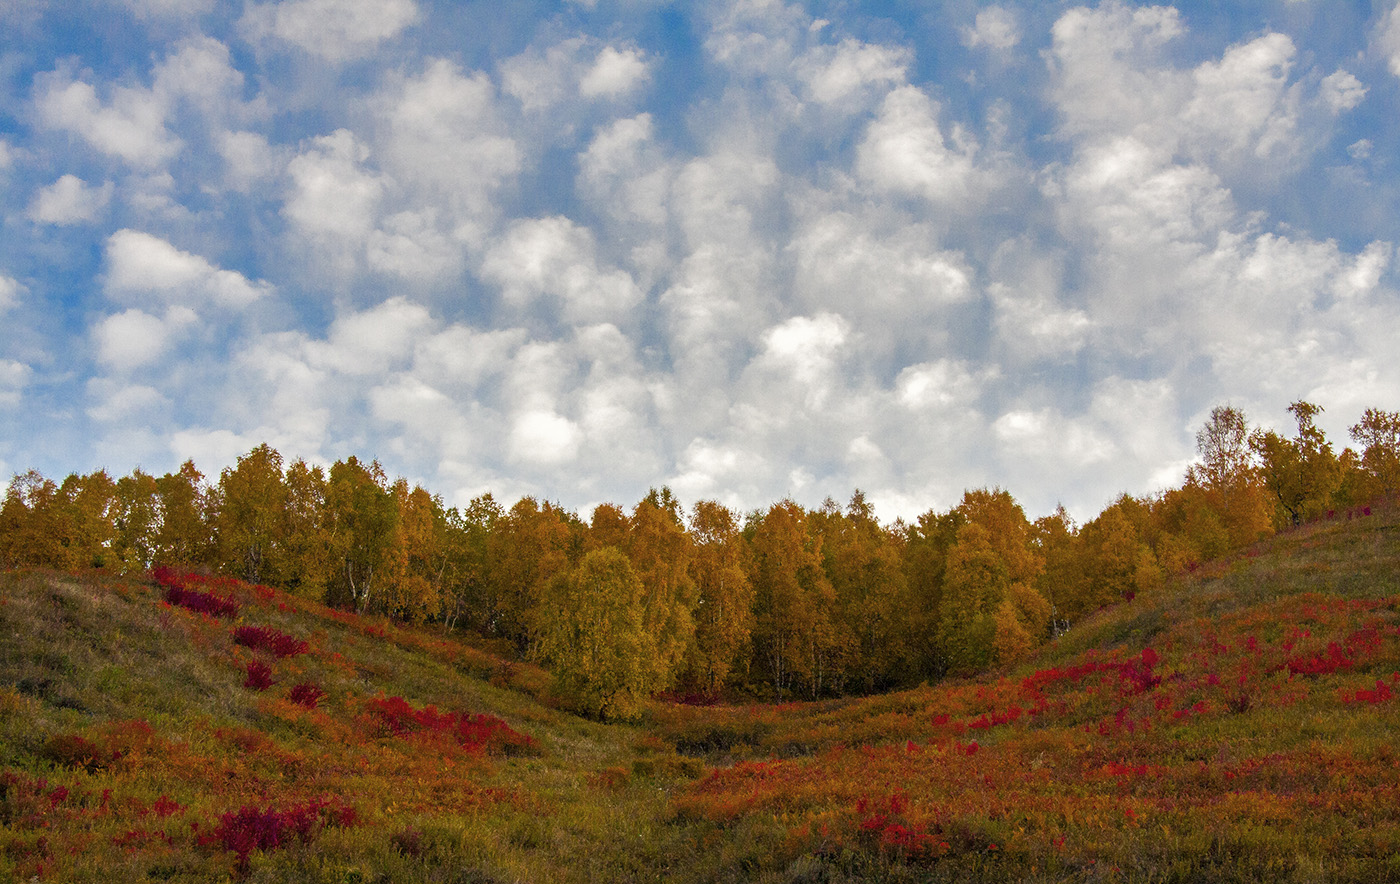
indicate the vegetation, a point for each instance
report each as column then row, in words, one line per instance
column 782, row 603
column 1232, row 723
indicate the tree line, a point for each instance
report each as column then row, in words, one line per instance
column 783, row 602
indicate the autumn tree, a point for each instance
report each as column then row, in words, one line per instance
column 531, row 543
column 1301, row 473
column 84, row 521
column 136, row 516
column 975, row 585
column 927, row 544
column 1056, row 539
column 793, row 636
column 415, row 559
column 863, row 562
column 607, row 527
column 361, row 515
column 1378, row 434
column 660, row 550
column 1020, row 615
column 593, row 634
column 724, row 596
column 186, row 533
column 306, row 567
column 29, row 517
column 251, row 497
column 1116, row 560
column 467, row 552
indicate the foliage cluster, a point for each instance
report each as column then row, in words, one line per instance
column 782, row 603
column 1232, row 723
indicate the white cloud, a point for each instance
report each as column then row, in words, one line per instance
column 140, row 265
column 1341, row 91
column 615, row 72
column 996, row 27
column 555, row 258
column 905, row 152
column 835, row 74
column 69, row 200
column 131, row 127
column 628, row 179
column 373, row 341
column 443, row 140
column 14, row 377
column 1387, row 37
column 248, row 157
column 335, row 30
column 935, row 388
column 333, row 200
column 11, row 290
column 133, row 339
column 114, row 401
column 1242, row 108
column 800, row 363
column 543, row 438
column 902, row 278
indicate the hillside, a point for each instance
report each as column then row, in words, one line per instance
column 1237, row 724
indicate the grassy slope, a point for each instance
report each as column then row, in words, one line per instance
column 1216, row 761
column 1257, row 740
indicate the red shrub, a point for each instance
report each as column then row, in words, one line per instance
column 259, row 676
column 253, row 828
column 395, row 717
column 178, row 591
column 306, row 694
column 1375, row 697
column 1320, row 664
column 262, row 638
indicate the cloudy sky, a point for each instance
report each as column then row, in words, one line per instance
column 749, row 249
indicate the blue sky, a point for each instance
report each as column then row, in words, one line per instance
column 748, row 249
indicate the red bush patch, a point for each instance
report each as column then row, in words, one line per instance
column 179, row 590
column 254, row 828
column 262, row 638
column 259, row 676
column 394, row 716
column 306, row 694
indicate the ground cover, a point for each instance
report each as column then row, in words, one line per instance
column 1237, row 724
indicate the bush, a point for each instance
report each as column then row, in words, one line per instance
column 262, row 638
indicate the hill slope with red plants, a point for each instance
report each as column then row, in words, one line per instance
column 1237, row 724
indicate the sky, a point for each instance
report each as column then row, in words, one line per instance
column 749, row 249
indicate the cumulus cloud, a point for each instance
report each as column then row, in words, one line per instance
column 443, row 140
column 134, row 338
column 1341, row 91
column 555, row 258
column 335, row 30
column 1387, row 38
column 70, row 200
column 145, row 268
column 614, row 72
column 372, row 341
column 14, row 377
column 904, row 152
column 995, row 27
column 836, row 74
column 543, row 438
column 131, row 126
column 115, row 401
column 11, row 290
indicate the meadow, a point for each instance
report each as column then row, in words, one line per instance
column 1237, row 723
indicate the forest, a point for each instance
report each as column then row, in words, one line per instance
column 701, row 602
